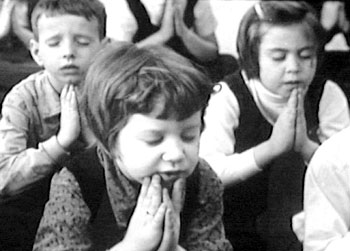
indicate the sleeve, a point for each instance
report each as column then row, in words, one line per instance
column 21, row 161
column 64, row 224
column 205, row 231
column 327, row 203
column 121, row 24
column 205, row 22
column 333, row 111
column 217, row 145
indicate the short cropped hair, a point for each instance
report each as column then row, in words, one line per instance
column 88, row 9
column 273, row 13
column 124, row 80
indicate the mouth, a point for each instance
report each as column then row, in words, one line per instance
column 168, row 179
column 294, row 82
column 70, row 69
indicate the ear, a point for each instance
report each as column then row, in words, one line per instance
column 34, row 50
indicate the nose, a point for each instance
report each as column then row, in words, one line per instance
column 173, row 151
column 293, row 64
column 68, row 49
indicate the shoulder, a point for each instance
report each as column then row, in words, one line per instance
column 228, row 91
column 222, row 93
column 209, row 183
column 25, row 89
column 332, row 91
column 24, row 94
column 224, row 100
column 336, row 146
column 333, row 98
column 332, row 157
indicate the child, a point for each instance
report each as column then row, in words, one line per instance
column 40, row 123
column 188, row 27
column 273, row 115
column 327, row 196
column 147, row 121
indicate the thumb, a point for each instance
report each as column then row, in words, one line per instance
column 178, row 194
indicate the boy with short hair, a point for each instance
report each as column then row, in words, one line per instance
column 40, row 123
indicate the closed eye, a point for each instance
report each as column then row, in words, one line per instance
column 191, row 136
column 153, row 141
column 53, row 43
column 83, row 41
column 306, row 54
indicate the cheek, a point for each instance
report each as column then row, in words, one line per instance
column 311, row 65
column 192, row 152
column 265, row 67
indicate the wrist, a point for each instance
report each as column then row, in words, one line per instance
column 62, row 143
column 186, row 34
column 264, row 153
column 163, row 36
column 124, row 246
column 308, row 150
column 179, row 248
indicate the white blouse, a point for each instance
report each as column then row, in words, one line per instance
column 221, row 118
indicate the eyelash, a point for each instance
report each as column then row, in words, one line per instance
column 156, row 142
column 80, row 43
column 281, row 58
column 188, row 138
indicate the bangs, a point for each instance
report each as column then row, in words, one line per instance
column 165, row 95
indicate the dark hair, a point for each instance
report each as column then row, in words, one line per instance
column 88, row 9
column 125, row 79
column 272, row 13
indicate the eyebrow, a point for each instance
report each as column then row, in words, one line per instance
column 277, row 49
column 192, row 127
column 53, row 37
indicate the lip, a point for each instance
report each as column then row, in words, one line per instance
column 171, row 177
column 294, row 82
column 70, row 69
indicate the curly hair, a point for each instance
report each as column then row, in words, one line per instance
column 125, row 80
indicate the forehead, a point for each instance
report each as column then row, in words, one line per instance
column 286, row 36
column 52, row 25
column 142, row 122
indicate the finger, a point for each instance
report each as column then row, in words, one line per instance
column 169, row 235
column 69, row 92
column 159, row 216
column 171, row 3
column 177, row 17
column 152, row 197
column 155, row 193
column 73, row 100
column 178, row 194
column 300, row 108
column 144, row 188
column 301, row 95
column 166, row 198
column 293, row 99
column 64, row 92
column 290, row 112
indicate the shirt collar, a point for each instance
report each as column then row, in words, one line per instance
column 48, row 98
